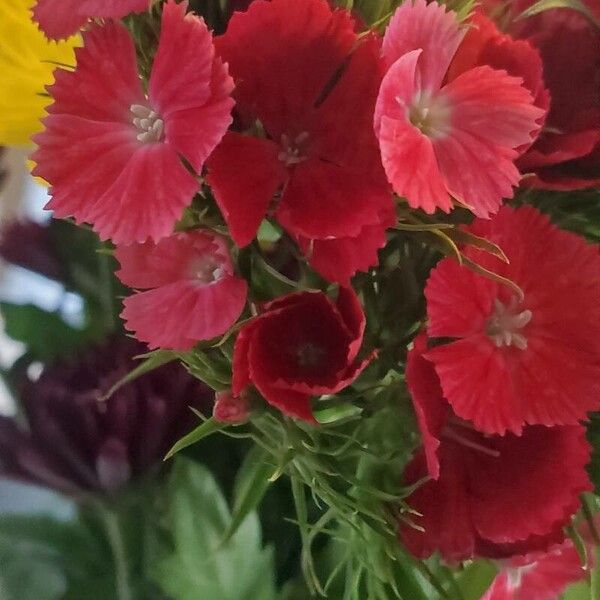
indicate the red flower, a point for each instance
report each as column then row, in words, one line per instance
column 303, row 345
column 514, row 361
column 567, row 154
column 59, row 19
column 490, row 495
column 543, row 577
column 312, row 86
column 110, row 154
column 192, row 291
column 453, row 141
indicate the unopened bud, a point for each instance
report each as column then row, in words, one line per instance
column 231, row 409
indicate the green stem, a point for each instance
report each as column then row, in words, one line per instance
column 117, row 546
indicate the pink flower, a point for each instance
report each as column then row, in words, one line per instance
column 539, row 577
column 513, row 360
column 302, row 345
column 456, row 141
column 192, row 293
column 110, row 154
column 311, row 85
column 59, row 19
column 489, row 495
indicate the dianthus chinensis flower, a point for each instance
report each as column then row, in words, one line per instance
column 448, row 141
column 27, row 61
column 490, row 495
column 61, row 18
column 311, row 84
column 190, row 292
column 112, row 155
column 78, row 442
column 302, row 345
column 513, row 361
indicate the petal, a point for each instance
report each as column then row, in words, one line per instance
column 244, row 174
column 543, row 579
column 112, row 9
column 411, row 166
column 105, row 82
column 442, row 507
column 352, row 314
column 178, row 315
column 492, row 115
column 430, row 407
column 282, row 78
column 459, row 302
column 477, row 379
column 338, row 260
column 146, row 199
column 59, row 19
column 324, row 201
column 420, row 26
column 517, row 493
column 485, row 45
column 189, row 87
column 341, row 129
column 59, row 22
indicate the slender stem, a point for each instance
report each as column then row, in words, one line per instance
column 117, row 546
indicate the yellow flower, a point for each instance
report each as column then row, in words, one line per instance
column 27, row 61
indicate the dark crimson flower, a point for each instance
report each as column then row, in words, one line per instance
column 309, row 87
column 76, row 442
column 539, row 577
column 59, row 19
column 567, row 154
column 444, row 140
column 489, row 495
column 191, row 292
column 516, row 360
column 302, row 345
column 28, row 244
column 111, row 154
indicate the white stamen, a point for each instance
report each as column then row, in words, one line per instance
column 429, row 113
column 149, row 124
column 504, row 325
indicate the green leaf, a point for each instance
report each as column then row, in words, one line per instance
column 153, row 360
column 207, row 428
column 252, row 483
column 45, row 334
column 201, row 565
column 544, row 5
column 579, row 591
column 337, row 413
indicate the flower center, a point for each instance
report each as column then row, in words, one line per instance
column 206, row 270
column 429, row 114
column 149, row 125
column 505, row 325
column 293, row 151
column 309, row 355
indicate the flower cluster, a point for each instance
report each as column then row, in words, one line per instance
column 333, row 137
